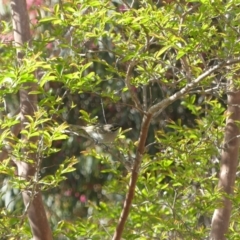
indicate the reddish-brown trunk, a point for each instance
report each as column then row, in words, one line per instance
column 229, row 162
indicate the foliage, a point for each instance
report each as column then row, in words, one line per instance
column 90, row 60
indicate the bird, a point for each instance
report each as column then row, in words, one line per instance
column 100, row 133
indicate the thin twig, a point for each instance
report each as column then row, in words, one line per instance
column 128, row 83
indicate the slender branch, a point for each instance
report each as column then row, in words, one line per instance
column 157, row 108
column 130, row 88
column 209, row 90
column 134, row 176
column 144, row 98
column 186, row 68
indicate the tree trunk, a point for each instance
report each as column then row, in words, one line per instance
column 229, row 162
column 32, row 198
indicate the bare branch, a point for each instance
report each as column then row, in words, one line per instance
column 130, row 88
column 157, row 108
column 134, row 177
column 144, row 98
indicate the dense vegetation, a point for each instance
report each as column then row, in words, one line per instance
column 167, row 72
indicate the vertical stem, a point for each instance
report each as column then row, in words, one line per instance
column 134, row 176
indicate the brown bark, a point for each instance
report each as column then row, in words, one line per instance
column 133, row 181
column 34, row 207
column 229, row 162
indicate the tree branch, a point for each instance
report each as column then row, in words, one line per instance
column 135, row 171
column 157, row 108
column 128, row 83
